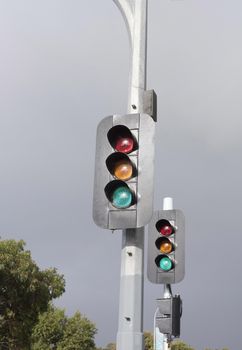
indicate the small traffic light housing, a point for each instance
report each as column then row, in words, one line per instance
column 124, row 168
column 166, row 247
column 169, row 318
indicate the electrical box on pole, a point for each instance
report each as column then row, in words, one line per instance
column 124, row 168
column 166, row 247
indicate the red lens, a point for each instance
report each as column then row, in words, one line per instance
column 166, row 230
column 124, row 144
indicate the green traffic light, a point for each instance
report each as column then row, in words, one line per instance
column 165, row 263
column 122, row 197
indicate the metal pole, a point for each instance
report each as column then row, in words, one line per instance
column 130, row 331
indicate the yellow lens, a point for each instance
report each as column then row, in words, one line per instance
column 166, row 247
column 123, row 170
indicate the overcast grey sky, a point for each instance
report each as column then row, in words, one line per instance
column 64, row 66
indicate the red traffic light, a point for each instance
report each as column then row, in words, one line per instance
column 122, row 139
column 124, row 144
column 165, row 228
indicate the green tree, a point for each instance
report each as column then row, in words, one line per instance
column 148, row 339
column 110, row 346
column 25, row 291
column 78, row 334
column 217, row 349
column 179, row 345
column 49, row 330
column 56, row 331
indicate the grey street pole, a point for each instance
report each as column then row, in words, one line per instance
column 130, row 331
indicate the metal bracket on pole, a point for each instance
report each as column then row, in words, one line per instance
column 150, row 104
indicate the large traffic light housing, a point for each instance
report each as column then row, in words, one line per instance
column 166, row 247
column 124, row 167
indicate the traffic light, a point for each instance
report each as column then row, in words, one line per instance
column 166, row 247
column 124, row 167
column 168, row 320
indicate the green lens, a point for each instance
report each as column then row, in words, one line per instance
column 165, row 263
column 122, row 197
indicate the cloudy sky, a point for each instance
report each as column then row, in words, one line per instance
column 64, row 66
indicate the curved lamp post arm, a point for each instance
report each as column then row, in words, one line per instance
column 126, row 8
column 134, row 13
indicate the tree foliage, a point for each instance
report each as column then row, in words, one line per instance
column 56, row 331
column 78, row 334
column 110, row 346
column 179, row 345
column 217, row 349
column 27, row 318
column 25, row 291
column 148, row 340
column 49, row 330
